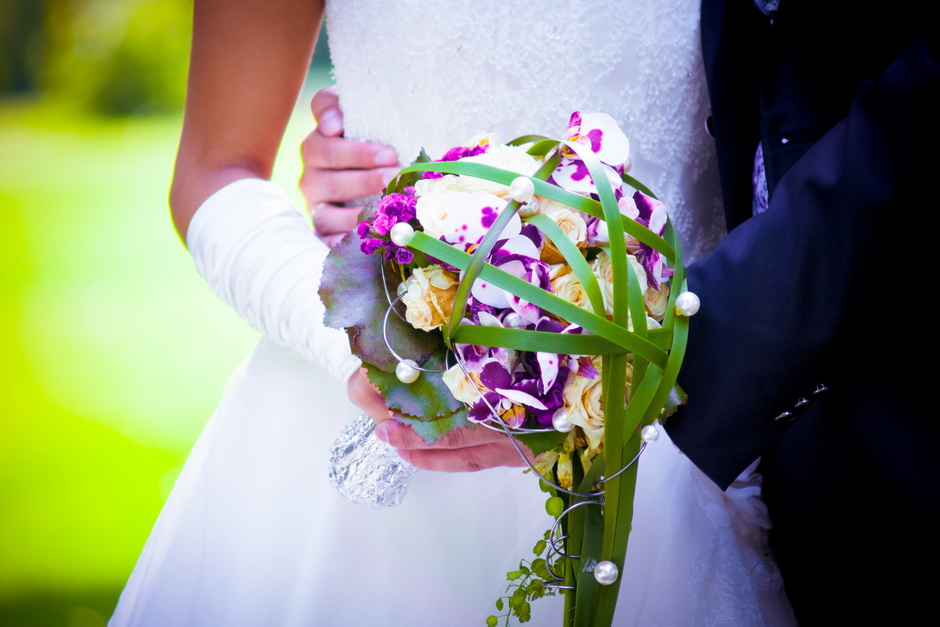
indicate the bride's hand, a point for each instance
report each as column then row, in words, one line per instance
column 367, row 397
column 338, row 169
column 462, row 450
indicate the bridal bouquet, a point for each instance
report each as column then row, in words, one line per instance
column 531, row 287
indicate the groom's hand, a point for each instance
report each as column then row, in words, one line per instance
column 337, row 169
column 462, row 450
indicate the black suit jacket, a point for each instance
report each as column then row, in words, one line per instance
column 826, row 290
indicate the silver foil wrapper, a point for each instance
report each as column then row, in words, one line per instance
column 366, row 470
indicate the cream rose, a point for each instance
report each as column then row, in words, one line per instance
column 571, row 222
column 461, row 387
column 584, row 403
column 565, row 284
column 656, row 301
column 430, row 297
column 604, row 272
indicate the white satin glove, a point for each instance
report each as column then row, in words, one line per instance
column 258, row 252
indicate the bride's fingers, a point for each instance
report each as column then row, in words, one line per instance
column 332, row 240
column 461, row 450
column 337, row 153
column 331, row 186
column 470, row 459
column 332, row 219
column 325, row 108
column 366, row 396
column 403, row 437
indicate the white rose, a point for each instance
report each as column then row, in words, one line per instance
column 433, row 208
column 512, row 158
column 427, row 186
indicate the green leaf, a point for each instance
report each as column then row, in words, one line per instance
column 524, row 612
column 676, row 398
column 492, row 621
column 352, row 289
column 434, row 430
column 540, row 568
column 499, row 604
column 540, row 547
column 426, row 399
column 513, row 575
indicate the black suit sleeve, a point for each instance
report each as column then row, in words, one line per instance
column 801, row 294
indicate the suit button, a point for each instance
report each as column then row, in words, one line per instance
column 710, row 125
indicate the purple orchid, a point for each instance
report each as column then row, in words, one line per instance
column 455, row 154
column 652, row 214
column 603, row 136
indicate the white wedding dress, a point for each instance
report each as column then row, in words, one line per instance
column 253, row 534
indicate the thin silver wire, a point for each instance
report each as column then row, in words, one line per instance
column 388, row 343
column 553, row 543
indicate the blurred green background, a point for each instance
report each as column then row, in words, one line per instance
column 113, row 352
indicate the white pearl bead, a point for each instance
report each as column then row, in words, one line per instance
column 687, row 304
column 402, row 233
column 405, row 285
column 649, row 433
column 407, row 371
column 603, row 235
column 513, row 321
column 606, row 573
column 521, row 189
column 561, row 422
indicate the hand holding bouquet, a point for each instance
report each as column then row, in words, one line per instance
column 526, row 287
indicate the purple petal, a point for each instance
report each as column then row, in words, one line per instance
column 494, row 375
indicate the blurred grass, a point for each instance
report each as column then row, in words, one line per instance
column 113, row 354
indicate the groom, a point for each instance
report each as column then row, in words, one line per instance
column 807, row 350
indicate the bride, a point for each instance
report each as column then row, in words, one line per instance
column 252, row 534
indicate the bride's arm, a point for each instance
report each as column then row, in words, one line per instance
column 248, row 63
column 254, row 248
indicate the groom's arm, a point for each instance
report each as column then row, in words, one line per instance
column 791, row 296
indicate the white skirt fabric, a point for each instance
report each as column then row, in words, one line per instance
column 253, row 534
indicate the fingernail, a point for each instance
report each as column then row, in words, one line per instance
column 386, row 157
column 381, row 432
column 330, row 122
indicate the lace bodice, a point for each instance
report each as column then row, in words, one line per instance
column 432, row 75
